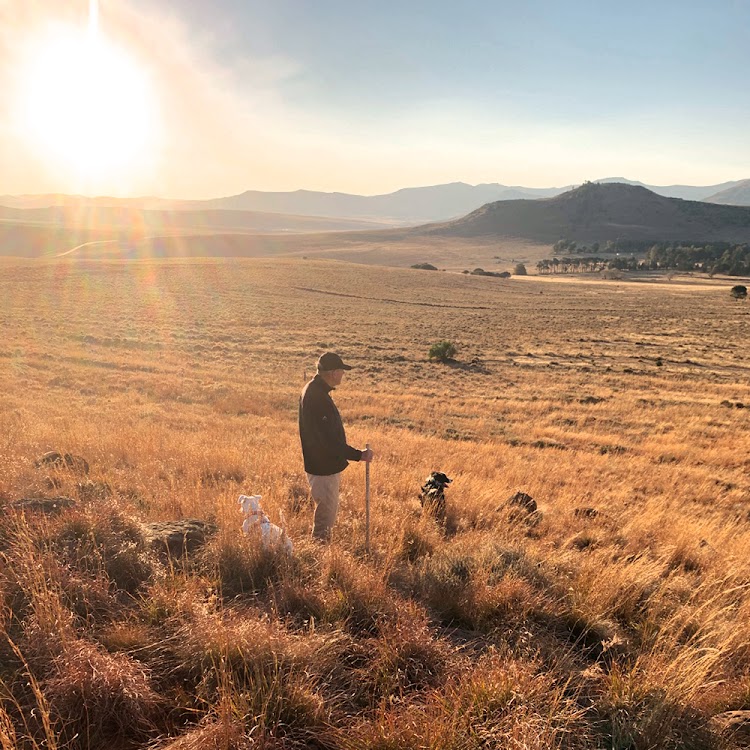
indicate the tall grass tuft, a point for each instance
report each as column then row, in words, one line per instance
column 100, row 698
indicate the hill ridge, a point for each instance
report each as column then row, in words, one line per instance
column 602, row 211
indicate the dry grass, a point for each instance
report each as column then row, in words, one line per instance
column 616, row 616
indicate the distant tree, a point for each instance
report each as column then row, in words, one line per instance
column 519, row 269
column 425, row 266
column 739, row 291
column 443, row 351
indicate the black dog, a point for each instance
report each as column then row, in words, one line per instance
column 432, row 496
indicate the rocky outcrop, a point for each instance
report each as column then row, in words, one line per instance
column 178, row 538
column 48, row 505
column 56, row 460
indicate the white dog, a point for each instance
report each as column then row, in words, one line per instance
column 270, row 534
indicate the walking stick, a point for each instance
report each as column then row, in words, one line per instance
column 367, row 503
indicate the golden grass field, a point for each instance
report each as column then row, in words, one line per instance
column 618, row 616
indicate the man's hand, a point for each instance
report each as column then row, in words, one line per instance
column 367, row 455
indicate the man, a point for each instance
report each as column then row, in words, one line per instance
column 324, row 446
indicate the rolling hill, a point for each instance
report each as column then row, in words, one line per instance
column 686, row 192
column 597, row 212
column 736, row 195
column 592, row 212
column 405, row 207
column 145, row 221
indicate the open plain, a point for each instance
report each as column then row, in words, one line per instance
column 617, row 615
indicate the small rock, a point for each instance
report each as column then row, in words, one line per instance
column 88, row 490
column 56, row 460
column 43, row 504
column 524, row 501
column 178, row 538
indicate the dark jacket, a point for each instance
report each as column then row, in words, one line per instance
column 321, row 431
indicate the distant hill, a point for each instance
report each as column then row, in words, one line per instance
column 408, row 205
column 592, row 212
column 37, row 241
column 405, row 207
column 598, row 212
column 687, row 192
column 737, row 195
column 47, row 200
column 145, row 221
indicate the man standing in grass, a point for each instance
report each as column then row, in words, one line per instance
column 324, row 447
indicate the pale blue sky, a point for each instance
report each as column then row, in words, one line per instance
column 369, row 97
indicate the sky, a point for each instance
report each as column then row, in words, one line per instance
column 197, row 99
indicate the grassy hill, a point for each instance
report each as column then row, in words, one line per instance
column 502, row 232
column 105, row 218
column 737, row 195
column 596, row 212
column 615, row 615
column 407, row 206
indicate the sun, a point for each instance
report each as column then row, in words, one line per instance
column 87, row 104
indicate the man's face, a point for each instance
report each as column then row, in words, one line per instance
column 336, row 377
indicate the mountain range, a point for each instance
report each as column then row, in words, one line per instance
column 591, row 212
column 404, row 207
column 737, row 194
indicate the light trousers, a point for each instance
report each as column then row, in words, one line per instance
column 325, row 493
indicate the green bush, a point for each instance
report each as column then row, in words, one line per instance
column 443, row 350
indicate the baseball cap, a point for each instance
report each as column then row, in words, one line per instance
column 331, row 361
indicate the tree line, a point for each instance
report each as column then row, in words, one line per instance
column 711, row 258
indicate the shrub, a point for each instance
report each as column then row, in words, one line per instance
column 502, row 703
column 240, row 566
column 520, row 269
column 406, row 659
column 424, row 266
column 101, row 697
column 739, row 291
column 105, row 540
column 496, row 274
column 443, row 350
column 357, row 598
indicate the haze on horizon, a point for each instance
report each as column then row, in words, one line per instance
column 190, row 100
